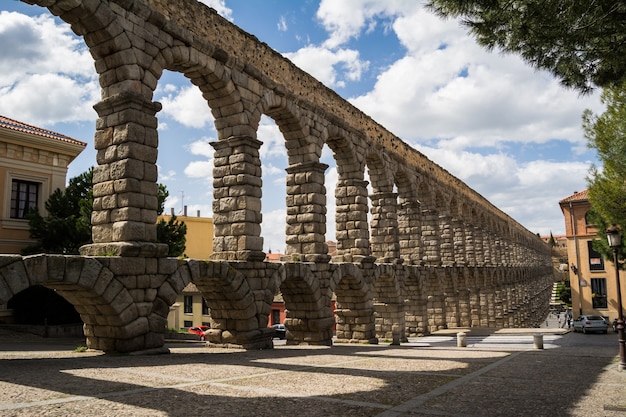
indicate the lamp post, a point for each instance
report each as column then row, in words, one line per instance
column 615, row 241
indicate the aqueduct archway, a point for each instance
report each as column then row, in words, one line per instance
column 436, row 253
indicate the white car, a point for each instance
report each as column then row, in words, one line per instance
column 588, row 324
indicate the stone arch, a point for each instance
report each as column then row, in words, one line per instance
column 308, row 309
column 352, row 232
column 388, row 303
column 112, row 321
column 305, row 189
column 236, row 317
column 416, row 300
column 214, row 78
column 385, row 243
column 355, row 310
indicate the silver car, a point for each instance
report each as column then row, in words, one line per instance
column 588, row 324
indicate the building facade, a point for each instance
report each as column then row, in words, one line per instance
column 190, row 309
column 33, row 163
column 592, row 278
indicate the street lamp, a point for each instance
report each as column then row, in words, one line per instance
column 615, row 241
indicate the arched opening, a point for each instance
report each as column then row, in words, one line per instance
column 38, row 305
column 273, row 204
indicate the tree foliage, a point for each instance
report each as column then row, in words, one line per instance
column 172, row 231
column 606, row 134
column 67, row 225
column 582, row 42
column 564, row 293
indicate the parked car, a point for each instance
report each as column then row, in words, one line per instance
column 590, row 323
column 199, row 330
column 280, row 331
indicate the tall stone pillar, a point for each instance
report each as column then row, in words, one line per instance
column 430, row 237
column 479, row 252
column 351, row 219
column 125, row 180
column 237, row 188
column 446, row 244
column 306, row 212
column 385, row 244
column 470, row 249
column 487, row 247
column 458, row 241
column 410, row 232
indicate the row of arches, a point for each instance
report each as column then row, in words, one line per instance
column 124, row 310
column 419, row 212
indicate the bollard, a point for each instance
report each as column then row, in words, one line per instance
column 395, row 332
column 461, row 339
column 538, row 341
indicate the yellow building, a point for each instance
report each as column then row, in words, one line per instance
column 592, row 278
column 33, row 163
column 190, row 309
column 199, row 237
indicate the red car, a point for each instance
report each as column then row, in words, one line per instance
column 199, row 330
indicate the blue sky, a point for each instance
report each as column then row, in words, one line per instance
column 510, row 132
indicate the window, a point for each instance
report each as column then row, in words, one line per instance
column 188, row 304
column 596, row 263
column 598, row 293
column 188, row 323
column 275, row 316
column 205, row 308
column 24, row 196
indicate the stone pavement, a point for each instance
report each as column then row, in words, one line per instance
column 498, row 374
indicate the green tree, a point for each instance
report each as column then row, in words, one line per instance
column 551, row 241
column 564, row 292
column 67, row 225
column 606, row 134
column 172, row 231
column 582, row 42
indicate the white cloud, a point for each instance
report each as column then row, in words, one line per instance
column 44, row 99
column 50, row 77
column 273, row 230
column 331, row 67
column 282, row 24
column 167, row 176
column 346, row 19
column 187, row 106
column 273, row 140
column 330, row 182
column 202, row 147
column 200, row 169
column 527, row 191
column 220, row 8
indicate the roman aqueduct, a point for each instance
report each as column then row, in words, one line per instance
column 435, row 254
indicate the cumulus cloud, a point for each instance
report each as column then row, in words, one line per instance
column 187, row 106
column 50, row 77
column 202, row 147
column 347, row 19
column 273, row 230
column 331, row 67
column 220, row 8
column 273, row 141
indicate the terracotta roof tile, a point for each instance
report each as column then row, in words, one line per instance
column 11, row 124
column 577, row 196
